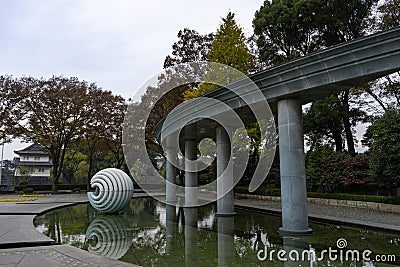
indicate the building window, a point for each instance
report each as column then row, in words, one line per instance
column 41, row 170
column 25, row 158
column 37, row 158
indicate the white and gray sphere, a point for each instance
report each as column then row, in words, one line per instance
column 114, row 189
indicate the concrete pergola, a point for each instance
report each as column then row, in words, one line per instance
column 286, row 88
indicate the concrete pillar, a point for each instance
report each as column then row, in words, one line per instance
column 225, row 203
column 226, row 241
column 292, row 168
column 191, row 194
column 170, row 197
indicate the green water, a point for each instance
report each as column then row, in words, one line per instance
column 142, row 235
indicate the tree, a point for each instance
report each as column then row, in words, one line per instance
column 286, row 29
column 114, row 133
column 228, row 48
column 10, row 112
column 340, row 21
column 385, row 16
column 24, row 172
column 191, row 47
column 75, row 167
column 384, row 137
column 322, row 123
column 55, row 112
column 104, row 127
column 347, row 24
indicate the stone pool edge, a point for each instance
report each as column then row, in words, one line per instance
column 24, row 246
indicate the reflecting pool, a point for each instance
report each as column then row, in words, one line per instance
column 149, row 233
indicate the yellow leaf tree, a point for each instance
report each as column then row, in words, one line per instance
column 229, row 48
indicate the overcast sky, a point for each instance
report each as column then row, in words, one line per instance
column 116, row 44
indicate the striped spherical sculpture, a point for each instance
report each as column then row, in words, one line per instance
column 113, row 190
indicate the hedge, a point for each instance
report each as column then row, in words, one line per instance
column 341, row 196
column 48, row 187
column 276, row 192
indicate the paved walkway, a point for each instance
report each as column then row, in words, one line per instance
column 335, row 214
column 22, row 245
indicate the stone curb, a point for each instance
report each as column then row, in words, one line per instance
column 334, row 202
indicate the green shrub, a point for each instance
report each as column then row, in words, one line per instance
column 330, row 171
column 72, row 187
column 314, row 161
column 276, row 192
column 384, row 136
column 27, row 190
column 48, row 187
column 260, row 191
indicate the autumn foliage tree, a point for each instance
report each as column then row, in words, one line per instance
column 10, row 112
column 167, row 93
column 103, row 130
column 57, row 111
column 228, row 48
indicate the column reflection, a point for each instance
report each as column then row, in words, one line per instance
column 171, row 228
column 298, row 251
column 191, row 236
column 226, row 240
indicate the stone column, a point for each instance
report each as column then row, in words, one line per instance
column 292, row 168
column 225, row 203
column 191, row 194
column 170, row 197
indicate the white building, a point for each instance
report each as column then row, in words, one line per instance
column 35, row 164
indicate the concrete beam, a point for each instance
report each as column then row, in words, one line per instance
column 308, row 78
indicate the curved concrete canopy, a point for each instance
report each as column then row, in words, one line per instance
column 308, row 78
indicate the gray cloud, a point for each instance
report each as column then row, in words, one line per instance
column 117, row 44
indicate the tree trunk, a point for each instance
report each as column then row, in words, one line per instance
column 337, row 137
column 55, row 158
column 89, row 176
column 347, row 124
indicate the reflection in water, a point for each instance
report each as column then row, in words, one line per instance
column 150, row 233
column 191, row 236
column 109, row 236
column 226, row 241
column 294, row 248
column 171, row 227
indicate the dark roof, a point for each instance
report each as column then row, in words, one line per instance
column 32, row 149
column 32, row 163
column 17, row 161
